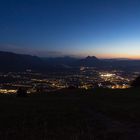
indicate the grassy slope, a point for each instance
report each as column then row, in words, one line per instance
column 100, row 114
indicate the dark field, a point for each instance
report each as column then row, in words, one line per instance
column 99, row 114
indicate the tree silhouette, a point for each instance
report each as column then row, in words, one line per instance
column 136, row 82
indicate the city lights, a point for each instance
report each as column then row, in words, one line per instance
column 8, row 91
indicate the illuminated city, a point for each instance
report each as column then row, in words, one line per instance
column 86, row 78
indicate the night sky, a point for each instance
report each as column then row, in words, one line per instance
column 103, row 28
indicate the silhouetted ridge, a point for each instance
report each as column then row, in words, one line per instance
column 19, row 62
column 90, row 61
column 136, row 82
column 91, row 58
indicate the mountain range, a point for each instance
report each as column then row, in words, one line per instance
column 18, row 62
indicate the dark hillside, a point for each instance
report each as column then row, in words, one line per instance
column 99, row 114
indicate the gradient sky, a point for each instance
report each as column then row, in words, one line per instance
column 104, row 28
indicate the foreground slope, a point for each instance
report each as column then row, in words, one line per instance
column 72, row 114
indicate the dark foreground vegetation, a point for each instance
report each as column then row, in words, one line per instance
column 72, row 114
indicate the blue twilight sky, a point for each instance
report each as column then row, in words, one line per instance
column 104, row 28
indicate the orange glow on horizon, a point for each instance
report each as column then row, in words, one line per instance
column 125, row 56
column 111, row 56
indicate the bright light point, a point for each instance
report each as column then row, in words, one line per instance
column 107, row 75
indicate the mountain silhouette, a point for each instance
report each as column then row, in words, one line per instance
column 19, row 62
column 90, row 61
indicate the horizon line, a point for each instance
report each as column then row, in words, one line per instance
column 74, row 56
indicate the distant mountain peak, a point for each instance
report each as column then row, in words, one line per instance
column 91, row 58
column 90, row 61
